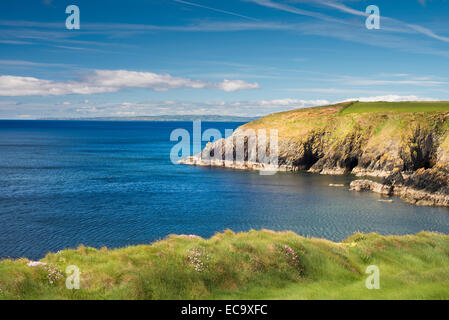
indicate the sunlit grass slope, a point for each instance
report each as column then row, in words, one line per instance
column 350, row 115
column 253, row 265
column 400, row 107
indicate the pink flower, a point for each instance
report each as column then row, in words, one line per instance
column 36, row 263
column 189, row 236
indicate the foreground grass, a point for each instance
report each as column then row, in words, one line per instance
column 253, row 265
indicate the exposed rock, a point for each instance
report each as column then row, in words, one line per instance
column 430, row 180
column 422, row 197
column 394, row 179
column 394, row 185
column 368, row 185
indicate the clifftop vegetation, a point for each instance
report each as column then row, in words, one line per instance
column 406, row 135
column 252, row 265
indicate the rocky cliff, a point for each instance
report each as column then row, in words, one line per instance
column 406, row 144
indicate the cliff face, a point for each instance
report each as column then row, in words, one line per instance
column 411, row 138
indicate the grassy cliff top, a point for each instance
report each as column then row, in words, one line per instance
column 391, row 109
column 376, row 121
column 395, row 107
column 250, row 265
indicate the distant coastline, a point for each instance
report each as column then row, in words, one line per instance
column 214, row 118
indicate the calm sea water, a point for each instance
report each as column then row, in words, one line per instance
column 65, row 183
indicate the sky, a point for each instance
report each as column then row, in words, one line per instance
column 228, row 57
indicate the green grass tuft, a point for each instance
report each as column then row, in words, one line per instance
column 252, row 265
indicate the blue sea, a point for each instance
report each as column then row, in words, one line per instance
column 66, row 183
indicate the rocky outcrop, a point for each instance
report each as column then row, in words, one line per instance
column 421, row 188
column 368, row 185
column 239, row 151
column 409, row 150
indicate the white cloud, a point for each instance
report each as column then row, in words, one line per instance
column 234, row 85
column 328, row 90
column 79, row 109
column 394, row 79
column 292, row 103
column 237, row 108
column 250, row 108
column 423, row 82
column 103, row 81
column 391, row 98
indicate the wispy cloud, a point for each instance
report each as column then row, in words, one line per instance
column 389, row 80
column 423, row 2
column 215, row 9
column 394, row 35
column 374, row 82
column 25, row 63
column 329, row 90
column 15, row 42
column 412, row 27
column 397, row 25
column 47, row 31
